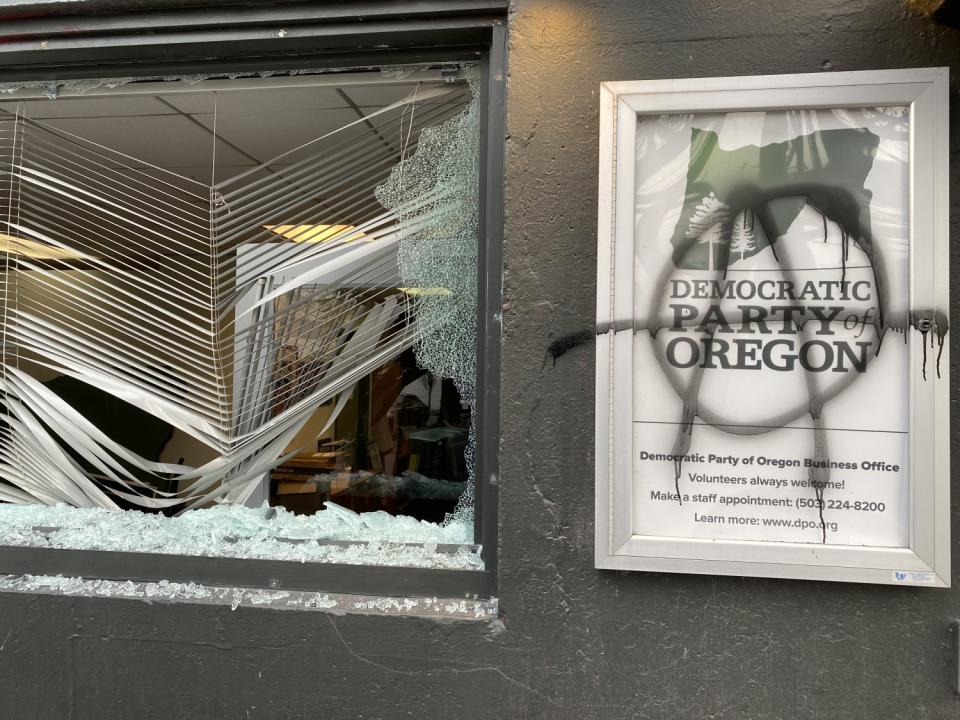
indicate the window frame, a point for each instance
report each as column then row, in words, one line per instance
column 464, row 31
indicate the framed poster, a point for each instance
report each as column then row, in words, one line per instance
column 772, row 329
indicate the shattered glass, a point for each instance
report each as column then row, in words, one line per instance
column 265, row 359
column 334, row 535
column 236, row 597
column 438, row 249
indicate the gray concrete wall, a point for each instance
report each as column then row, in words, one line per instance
column 573, row 642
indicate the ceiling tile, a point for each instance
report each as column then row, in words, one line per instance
column 378, row 95
column 163, row 140
column 305, row 98
column 91, row 107
column 266, row 134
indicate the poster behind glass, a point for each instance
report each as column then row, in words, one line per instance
column 771, row 389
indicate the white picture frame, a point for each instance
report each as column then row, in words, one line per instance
column 926, row 559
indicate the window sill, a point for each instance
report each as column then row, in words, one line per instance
column 335, row 535
column 237, row 597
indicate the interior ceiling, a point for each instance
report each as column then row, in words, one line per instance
column 175, row 131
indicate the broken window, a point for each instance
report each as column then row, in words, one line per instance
column 239, row 316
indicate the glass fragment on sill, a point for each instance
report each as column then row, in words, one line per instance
column 235, row 597
column 336, row 535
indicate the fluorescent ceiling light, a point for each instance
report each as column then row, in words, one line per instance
column 425, row 291
column 12, row 245
column 315, row 233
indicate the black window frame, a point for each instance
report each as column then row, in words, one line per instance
column 323, row 34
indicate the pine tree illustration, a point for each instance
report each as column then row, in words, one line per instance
column 712, row 236
column 707, row 223
column 743, row 240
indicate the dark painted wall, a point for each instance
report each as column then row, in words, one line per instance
column 573, row 642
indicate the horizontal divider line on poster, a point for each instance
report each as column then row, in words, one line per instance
column 771, row 427
column 796, row 269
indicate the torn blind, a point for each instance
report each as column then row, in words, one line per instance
column 229, row 310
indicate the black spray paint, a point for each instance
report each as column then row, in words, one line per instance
column 562, row 345
column 932, row 322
